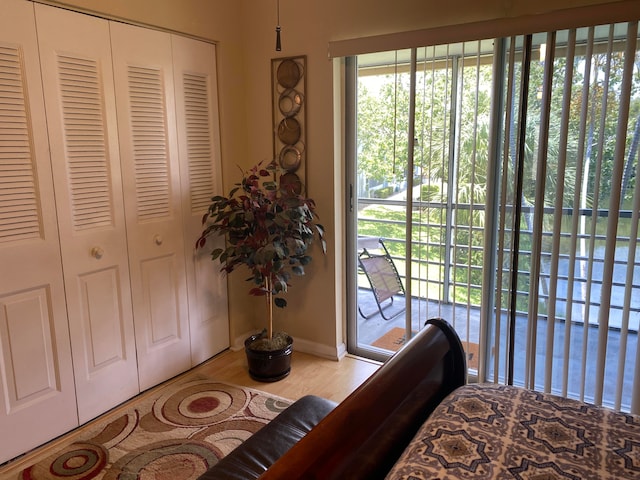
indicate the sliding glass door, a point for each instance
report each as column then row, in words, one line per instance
column 498, row 179
column 421, row 167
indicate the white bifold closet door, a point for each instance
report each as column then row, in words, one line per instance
column 109, row 155
column 194, row 64
column 145, row 99
column 37, row 396
column 77, row 74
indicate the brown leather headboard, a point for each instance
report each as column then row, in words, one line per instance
column 365, row 434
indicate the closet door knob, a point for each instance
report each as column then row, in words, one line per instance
column 158, row 240
column 97, row 252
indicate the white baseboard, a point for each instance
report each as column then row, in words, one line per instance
column 319, row 350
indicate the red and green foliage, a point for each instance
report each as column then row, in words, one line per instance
column 268, row 228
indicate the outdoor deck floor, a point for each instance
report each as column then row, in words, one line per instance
column 467, row 323
column 369, row 330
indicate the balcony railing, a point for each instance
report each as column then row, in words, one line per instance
column 455, row 273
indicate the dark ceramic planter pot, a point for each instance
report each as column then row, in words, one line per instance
column 268, row 366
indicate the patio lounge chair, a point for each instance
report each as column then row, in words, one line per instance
column 376, row 263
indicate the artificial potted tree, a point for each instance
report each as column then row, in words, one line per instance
column 268, row 226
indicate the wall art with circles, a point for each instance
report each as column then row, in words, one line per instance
column 288, row 82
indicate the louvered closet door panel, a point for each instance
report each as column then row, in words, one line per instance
column 78, row 81
column 149, row 152
column 37, row 397
column 199, row 145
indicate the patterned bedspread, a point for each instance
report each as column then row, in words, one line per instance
column 500, row 432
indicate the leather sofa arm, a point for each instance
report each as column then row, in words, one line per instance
column 254, row 456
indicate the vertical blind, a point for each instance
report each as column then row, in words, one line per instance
column 567, row 289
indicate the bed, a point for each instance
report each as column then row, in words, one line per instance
column 500, row 432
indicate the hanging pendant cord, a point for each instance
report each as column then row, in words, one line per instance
column 278, row 44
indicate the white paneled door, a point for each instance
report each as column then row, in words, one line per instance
column 145, row 99
column 194, row 65
column 79, row 97
column 37, row 397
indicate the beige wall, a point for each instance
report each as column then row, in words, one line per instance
column 244, row 30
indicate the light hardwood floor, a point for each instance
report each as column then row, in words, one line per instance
column 309, row 375
column 330, row 379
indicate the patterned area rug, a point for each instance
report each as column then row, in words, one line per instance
column 177, row 434
column 395, row 338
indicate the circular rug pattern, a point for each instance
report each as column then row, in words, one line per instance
column 117, row 430
column 176, row 459
column 228, row 435
column 78, row 461
column 265, row 407
column 200, row 403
